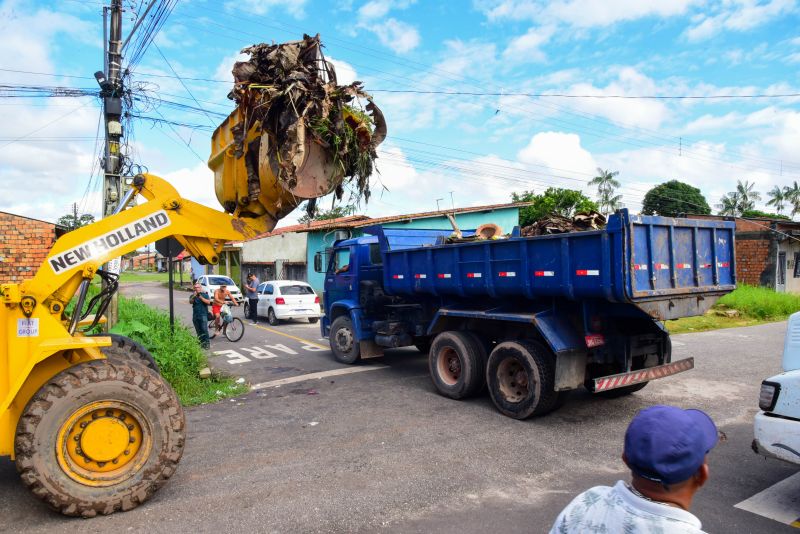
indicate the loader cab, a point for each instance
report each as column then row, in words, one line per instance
column 348, row 263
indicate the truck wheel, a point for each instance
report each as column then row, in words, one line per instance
column 124, row 349
column 456, row 362
column 343, row 340
column 272, row 318
column 100, row 437
column 521, row 378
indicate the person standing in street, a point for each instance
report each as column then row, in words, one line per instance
column 200, row 301
column 252, row 297
column 665, row 449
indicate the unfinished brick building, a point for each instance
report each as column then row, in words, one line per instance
column 24, row 244
column 767, row 253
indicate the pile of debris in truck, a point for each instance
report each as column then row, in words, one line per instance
column 558, row 224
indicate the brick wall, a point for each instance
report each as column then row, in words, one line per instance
column 753, row 257
column 24, row 244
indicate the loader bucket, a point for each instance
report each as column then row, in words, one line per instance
column 248, row 185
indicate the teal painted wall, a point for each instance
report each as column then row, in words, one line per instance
column 507, row 218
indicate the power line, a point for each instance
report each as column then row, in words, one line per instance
column 593, row 96
column 184, row 85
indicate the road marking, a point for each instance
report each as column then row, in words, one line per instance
column 780, row 502
column 291, row 336
column 316, row 376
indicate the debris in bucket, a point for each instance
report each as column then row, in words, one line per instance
column 291, row 91
column 556, row 224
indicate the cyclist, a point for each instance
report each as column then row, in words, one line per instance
column 219, row 300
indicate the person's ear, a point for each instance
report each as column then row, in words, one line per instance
column 701, row 477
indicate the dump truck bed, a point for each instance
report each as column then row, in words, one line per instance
column 668, row 267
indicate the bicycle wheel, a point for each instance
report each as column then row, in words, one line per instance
column 212, row 329
column 234, row 330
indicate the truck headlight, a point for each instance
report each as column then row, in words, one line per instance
column 768, row 396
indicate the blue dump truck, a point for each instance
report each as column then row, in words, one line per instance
column 528, row 318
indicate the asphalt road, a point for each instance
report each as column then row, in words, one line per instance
column 379, row 450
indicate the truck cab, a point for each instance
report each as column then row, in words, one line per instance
column 351, row 264
column 777, row 425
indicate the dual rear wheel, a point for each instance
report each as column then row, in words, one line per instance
column 520, row 375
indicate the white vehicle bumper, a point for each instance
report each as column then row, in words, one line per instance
column 289, row 312
column 776, row 437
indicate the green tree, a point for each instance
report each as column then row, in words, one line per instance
column 730, row 204
column 673, row 198
column 324, row 215
column 72, row 220
column 764, row 214
column 554, row 201
column 777, row 198
column 747, row 196
column 607, row 185
column 792, row 195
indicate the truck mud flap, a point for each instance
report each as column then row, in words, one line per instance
column 606, row 383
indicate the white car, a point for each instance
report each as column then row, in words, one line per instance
column 212, row 282
column 777, row 425
column 287, row 299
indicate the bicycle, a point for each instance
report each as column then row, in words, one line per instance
column 233, row 329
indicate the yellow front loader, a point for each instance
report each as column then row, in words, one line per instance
column 92, row 430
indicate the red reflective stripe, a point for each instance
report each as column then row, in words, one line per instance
column 397, row 276
column 420, row 276
column 507, row 274
column 684, row 266
column 723, row 264
column 587, row 272
column 705, row 266
column 443, row 275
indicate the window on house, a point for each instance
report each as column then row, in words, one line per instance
column 797, row 264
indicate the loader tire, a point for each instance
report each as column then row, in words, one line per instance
column 124, row 349
column 456, row 362
column 100, row 437
column 520, row 376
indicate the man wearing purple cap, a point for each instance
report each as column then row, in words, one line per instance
column 665, row 449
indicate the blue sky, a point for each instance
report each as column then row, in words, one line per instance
column 479, row 147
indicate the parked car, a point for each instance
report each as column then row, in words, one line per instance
column 777, row 425
column 211, row 283
column 287, row 299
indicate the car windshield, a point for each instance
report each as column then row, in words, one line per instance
column 219, row 280
column 296, row 290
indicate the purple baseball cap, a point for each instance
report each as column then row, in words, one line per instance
column 667, row 444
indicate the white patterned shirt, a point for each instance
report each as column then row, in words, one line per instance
column 617, row 509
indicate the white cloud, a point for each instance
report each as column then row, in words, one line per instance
column 581, row 13
column 738, row 15
column 395, row 34
column 295, row 8
column 376, row 9
column 558, row 152
column 345, row 72
column 527, row 48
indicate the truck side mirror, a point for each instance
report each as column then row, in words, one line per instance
column 318, row 262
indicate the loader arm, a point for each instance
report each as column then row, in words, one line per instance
column 33, row 312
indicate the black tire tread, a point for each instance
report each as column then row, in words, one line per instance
column 126, row 349
column 544, row 361
column 473, row 370
column 59, row 387
column 341, row 357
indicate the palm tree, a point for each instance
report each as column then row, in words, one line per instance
column 792, row 195
column 777, row 198
column 747, row 197
column 606, row 186
column 730, row 204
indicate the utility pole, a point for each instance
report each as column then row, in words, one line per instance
column 111, row 90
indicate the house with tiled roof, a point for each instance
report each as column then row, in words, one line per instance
column 288, row 253
column 24, row 245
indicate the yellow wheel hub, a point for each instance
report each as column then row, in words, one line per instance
column 103, row 443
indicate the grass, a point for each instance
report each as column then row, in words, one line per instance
column 754, row 305
column 134, row 276
column 178, row 355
